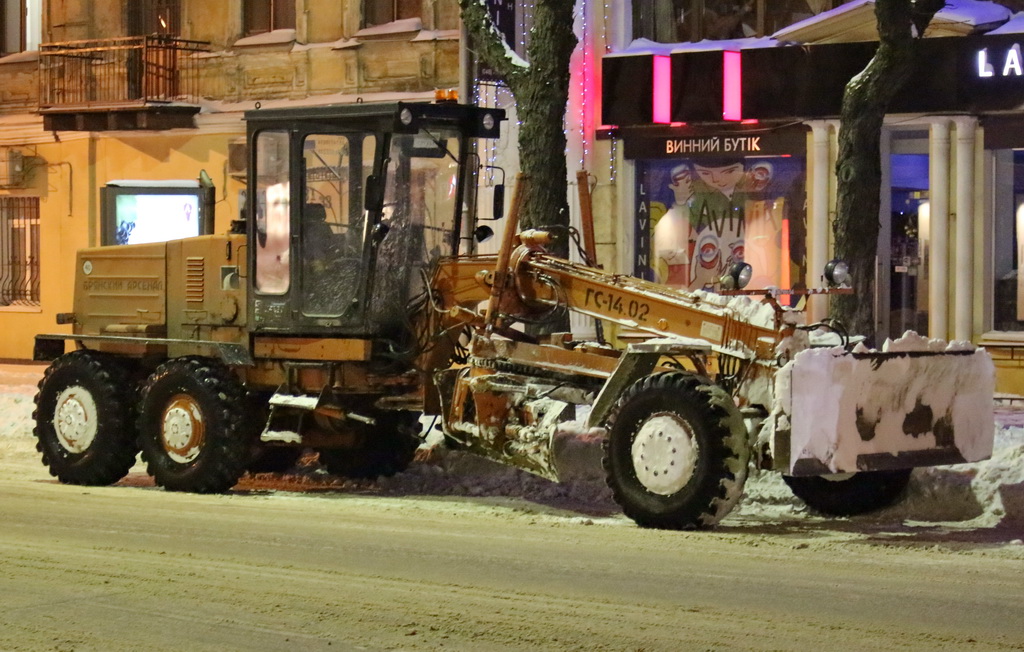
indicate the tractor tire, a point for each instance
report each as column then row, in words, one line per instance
column 381, row 450
column 850, row 494
column 671, row 458
column 274, row 459
column 84, row 418
column 193, row 428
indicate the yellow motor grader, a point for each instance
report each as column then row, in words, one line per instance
column 344, row 307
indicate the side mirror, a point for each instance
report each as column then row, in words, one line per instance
column 483, row 233
column 380, row 232
column 498, row 210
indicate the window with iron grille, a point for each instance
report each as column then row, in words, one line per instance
column 19, row 251
column 267, row 15
column 145, row 17
column 379, row 12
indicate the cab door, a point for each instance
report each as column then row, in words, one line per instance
column 269, row 202
column 332, row 228
column 309, row 234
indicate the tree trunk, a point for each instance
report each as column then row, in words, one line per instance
column 858, row 167
column 541, row 91
column 541, row 97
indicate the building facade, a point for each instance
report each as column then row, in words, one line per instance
column 729, row 152
column 707, row 132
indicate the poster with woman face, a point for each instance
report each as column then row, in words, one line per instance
column 696, row 217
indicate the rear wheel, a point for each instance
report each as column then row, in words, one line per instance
column 84, row 419
column 850, row 494
column 381, row 450
column 193, row 428
column 671, row 458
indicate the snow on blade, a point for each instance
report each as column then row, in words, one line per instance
column 919, row 402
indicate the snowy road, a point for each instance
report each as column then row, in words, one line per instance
column 423, row 564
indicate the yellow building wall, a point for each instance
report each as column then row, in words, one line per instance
column 67, row 176
column 1009, row 372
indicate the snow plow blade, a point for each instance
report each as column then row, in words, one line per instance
column 874, row 411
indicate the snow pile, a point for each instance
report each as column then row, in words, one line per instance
column 754, row 311
column 911, row 341
column 17, row 392
column 455, row 473
column 984, row 494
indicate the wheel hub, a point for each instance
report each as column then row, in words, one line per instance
column 74, row 419
column 664, row 454
column 183, row 429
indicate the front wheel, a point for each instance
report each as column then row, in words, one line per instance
column 676, row 454
column 84, row 419
column 193, row 428
column 850, row 494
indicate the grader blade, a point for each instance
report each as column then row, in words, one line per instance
column 873, row 411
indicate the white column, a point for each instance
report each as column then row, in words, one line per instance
column 963, row 318
column 938, row 196
column 818, row 305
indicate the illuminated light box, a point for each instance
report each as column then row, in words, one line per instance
column 141, row 211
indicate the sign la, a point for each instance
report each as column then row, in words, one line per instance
column 1010, row 66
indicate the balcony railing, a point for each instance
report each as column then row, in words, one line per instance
column 120, row 72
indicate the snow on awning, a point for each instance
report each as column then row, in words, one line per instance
column 1013, row 26
column 855, row 21
column 647, row 46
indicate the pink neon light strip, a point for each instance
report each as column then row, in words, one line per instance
column 662, row 113
column 732, row 84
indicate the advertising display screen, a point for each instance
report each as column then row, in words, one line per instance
column 137, row 214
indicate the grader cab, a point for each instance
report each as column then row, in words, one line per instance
column 349, row 306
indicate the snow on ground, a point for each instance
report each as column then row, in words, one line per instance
column 17, row 390
column 988, row 494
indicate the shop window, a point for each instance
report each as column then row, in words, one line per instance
column 1008, row 303
column 19, row 251
column 728, row 19
column 674, row 21
column 153, row 17
column 20, row 25
column 910, row 227
column 698, row 216
column 379, row 12
column 777, row 15
column 267, row 15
